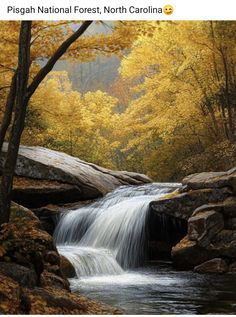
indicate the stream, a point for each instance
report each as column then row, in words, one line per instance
column 106, row 243
column 159, row 289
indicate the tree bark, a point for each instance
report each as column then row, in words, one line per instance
column 18, row 124
column 8, row 111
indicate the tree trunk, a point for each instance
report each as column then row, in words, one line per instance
column 23, row 94
column 18, row 123
column 8, row 111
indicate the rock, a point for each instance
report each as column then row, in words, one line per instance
column 187, row 254
column 67, row 269
column 216, row 265
column 48, row 216
column 24, row 276
column 204, row 226
column 9, row 295
column 183, row 205
column 232, row 267
column 21, row 240
column 52, row 280
column 52, row 257
column 232, row 182
column 56, row 301
column 226, row 207
column 224, row 243
column 92, row 180
column 55, row 269
column 230, row 223
column 24, row 214
column 209, row 179
column 229, row 207
column 34, row 193
column 46, row 300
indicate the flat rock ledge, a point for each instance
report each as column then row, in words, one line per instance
column 66, row 178
column 207, row 202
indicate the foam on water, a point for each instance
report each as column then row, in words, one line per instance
column 107, row 236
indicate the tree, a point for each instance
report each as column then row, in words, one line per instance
column 43, row 47
column 21, row 92
column 79, row 118
column 184, row 101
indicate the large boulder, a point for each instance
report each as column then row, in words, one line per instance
column 187, row 254
column 67, row 269
column 89, row 180
column 224, row 243
column 216, row 265
column 204, row 226
column 211, row 179
column 182, row 205
column 24, row 276
column 34, row 193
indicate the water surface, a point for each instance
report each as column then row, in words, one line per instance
column 160, row 289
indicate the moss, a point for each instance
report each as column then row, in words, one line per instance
column 170, row 195
column 19, row 212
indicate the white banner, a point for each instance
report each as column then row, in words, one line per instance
column 118, row 10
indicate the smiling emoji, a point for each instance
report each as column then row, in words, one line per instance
column 168, row 9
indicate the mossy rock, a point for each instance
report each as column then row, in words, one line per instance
column 20, row 212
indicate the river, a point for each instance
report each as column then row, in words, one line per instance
column 105, row 242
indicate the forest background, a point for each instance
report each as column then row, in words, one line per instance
column 153, row 97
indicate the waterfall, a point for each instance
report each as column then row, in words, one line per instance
column 108, row 235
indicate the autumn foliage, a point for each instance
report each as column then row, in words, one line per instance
column 170, row 112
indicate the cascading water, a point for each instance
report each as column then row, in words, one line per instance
column 107, row 236
column 105, row 241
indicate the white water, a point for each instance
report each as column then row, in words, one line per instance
column 108, row 236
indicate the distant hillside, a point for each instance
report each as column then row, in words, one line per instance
column 93, row 75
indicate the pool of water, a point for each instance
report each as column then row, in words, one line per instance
column 159, row 289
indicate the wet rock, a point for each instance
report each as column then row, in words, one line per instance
column 48, row 216
column 24, row 276
column 230, row 223
column 229, row 207
column 67, row 269
column 92, row 180
column 216, row 265
column 53, row 280
column 52, row 257
column 204, row 226
column 226, row 207
column 209, row 179
column 187, row 254
column 224, row 243
column 232, row 267
column 55, row 269
column 183, row 205
column 232, row 182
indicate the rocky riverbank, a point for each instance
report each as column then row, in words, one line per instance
column 45, row 176
column 207, row 201
column 195, row 226
column 33, row 276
